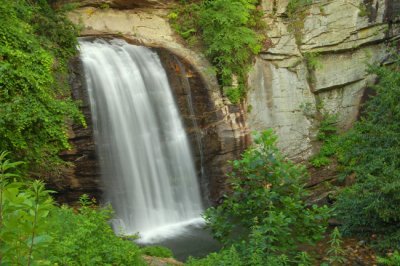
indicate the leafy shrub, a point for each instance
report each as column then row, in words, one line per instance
column 320, row 160
column 157, row 251
column 312, row 61
column 227, row 29
column 33, row 231
column 392, row 260
column 372, row 154
column 265, row 216
column 232, row 257
column 185, row 21
column 336, row 254
column 229, row 257
column 24, row 209
column 86, row 238
column 327, row 134
column 234, row 94
column 35, row 108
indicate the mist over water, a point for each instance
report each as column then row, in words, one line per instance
column 147, row 167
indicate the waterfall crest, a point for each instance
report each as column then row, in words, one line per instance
column 146, row 162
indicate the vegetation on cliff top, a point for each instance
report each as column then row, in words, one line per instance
column 228, row 31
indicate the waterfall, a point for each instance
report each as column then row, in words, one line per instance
column 147, row 167
column 198, row 134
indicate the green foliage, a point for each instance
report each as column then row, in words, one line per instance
column 392, row 260
column 86, row 238
column 33, row 231
column 327, row 134
column 226, row 257
column 157, row 251
column 265, row 215
column 312, row 61
column 371, row 152
column 227, row 29
column 363, row 10
column 296, row 14
column 241, row 255
column 336, row 254
column 320, row 160
column 294, row 6
column 304, row 259
column 234, row 94
column 185, row 21
column 24, row 209
column 35, row 44
column 104, row 6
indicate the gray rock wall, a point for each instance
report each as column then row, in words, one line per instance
column 340, row 37
column 221, row 126
column 316, row 62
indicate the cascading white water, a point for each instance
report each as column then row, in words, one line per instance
column 147, row 167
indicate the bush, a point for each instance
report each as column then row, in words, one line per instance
column 265, row 217
column 227, row 29
column 24, row 211
column 85, row 237
column 371, row 152
column 392, row 260
column 33, row 231
column 336, row 254
column 157, row 251
column 35, row 106
column 327, row 134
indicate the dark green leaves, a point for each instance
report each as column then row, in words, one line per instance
column 371, row 153
column 33, row 231
column 227, row 28
column 265, row 215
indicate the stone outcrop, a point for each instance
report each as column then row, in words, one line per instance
column 217, row 132
column 216, row 129
column 317, row 63
column 83, row 175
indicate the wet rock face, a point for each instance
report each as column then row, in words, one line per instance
column 216, row 134
column 217, row 130
column 286, row 94
column 83, row 174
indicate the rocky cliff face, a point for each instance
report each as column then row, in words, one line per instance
column 216, row 129
column 83, row 176
column 316, row 62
